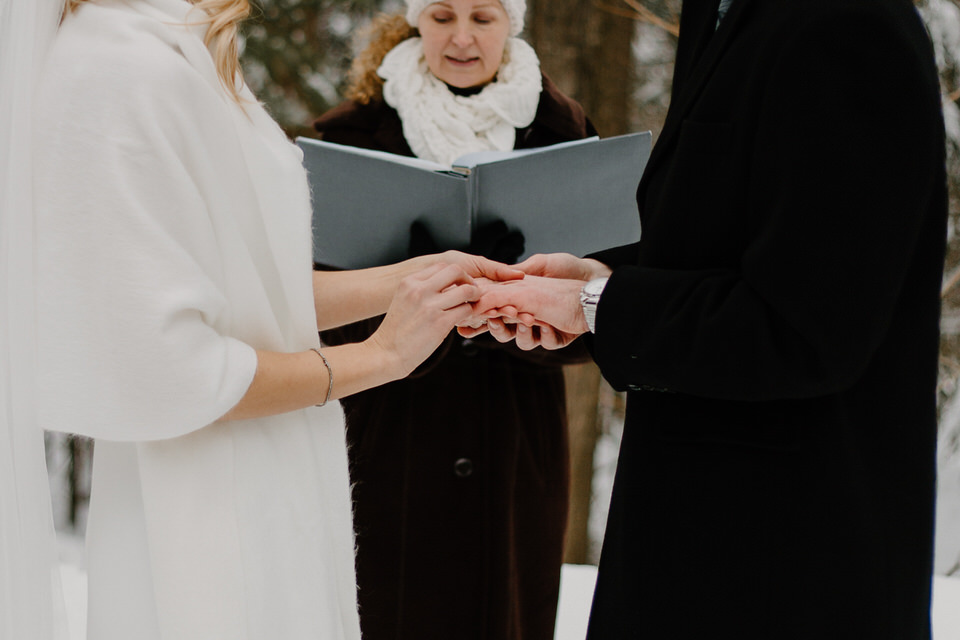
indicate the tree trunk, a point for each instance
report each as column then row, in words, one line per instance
column 587, row 52
column 583, row 411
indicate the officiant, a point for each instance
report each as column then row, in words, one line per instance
column 461, row 470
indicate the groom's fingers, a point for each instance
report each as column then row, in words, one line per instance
column 527, row 338
column 552, row 339
column 549, row 338
column 500, row 330
column 472, row 332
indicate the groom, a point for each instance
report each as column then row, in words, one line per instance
column 776, row 329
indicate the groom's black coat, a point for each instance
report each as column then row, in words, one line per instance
column 777, row 330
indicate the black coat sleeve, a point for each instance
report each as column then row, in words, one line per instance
column 836, row 197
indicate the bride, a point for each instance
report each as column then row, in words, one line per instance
column 158, row 295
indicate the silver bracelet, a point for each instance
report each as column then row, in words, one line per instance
column 329, row 375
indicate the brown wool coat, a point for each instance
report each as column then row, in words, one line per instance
column 461, row 470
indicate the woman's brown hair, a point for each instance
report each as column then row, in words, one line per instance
column 385, row 32
column 223, row 18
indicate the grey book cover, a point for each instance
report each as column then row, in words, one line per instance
column 577, row 197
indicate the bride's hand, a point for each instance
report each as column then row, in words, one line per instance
column 425, row 308
column 564, row 266
column 480, row 267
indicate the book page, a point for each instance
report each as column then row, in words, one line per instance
column 380, row 155
column 470, row 160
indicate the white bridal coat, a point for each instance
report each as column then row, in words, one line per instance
column 173, row 231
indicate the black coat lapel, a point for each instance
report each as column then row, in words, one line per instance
column 697, row 20
column 698, row 50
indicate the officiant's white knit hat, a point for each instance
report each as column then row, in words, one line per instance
column 516, row 9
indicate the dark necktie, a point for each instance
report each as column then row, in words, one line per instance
column 722, row 11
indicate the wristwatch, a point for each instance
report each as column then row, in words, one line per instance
column 589, row 299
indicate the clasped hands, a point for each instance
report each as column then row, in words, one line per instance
column 540, row 310
column 535, row 303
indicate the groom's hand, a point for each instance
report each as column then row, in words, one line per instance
column 529, row 337
column 534, row 311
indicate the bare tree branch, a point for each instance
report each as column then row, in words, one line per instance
column 950, row 283
column 639, row 12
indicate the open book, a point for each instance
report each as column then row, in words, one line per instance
column 575, row 197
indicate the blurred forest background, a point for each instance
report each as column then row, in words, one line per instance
column 616, row 58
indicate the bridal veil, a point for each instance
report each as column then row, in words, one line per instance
column 30, row 595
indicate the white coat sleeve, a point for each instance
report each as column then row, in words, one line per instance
column 134, row 330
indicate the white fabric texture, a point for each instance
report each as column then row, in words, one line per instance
column 441, row 126
column 174, row 237
column 516, row 11
column 31, row 602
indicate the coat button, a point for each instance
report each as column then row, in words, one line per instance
column 469, row 348
column 463, row 468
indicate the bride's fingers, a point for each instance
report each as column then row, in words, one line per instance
column 497, row 271
column 534, row 265
column 428, row 272
column 451, row 285
column 440, row 277
column 457, row 296
column 508, row 311
column 526, row 318
column 458, row 315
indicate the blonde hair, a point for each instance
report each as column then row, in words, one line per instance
column 385, row 32
column 223, row 18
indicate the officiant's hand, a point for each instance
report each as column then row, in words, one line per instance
column 535, row 311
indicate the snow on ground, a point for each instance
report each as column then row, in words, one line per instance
column 946, row 608
column 576, row 592
column 947, row 558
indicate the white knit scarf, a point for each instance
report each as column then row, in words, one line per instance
column 442, row 126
